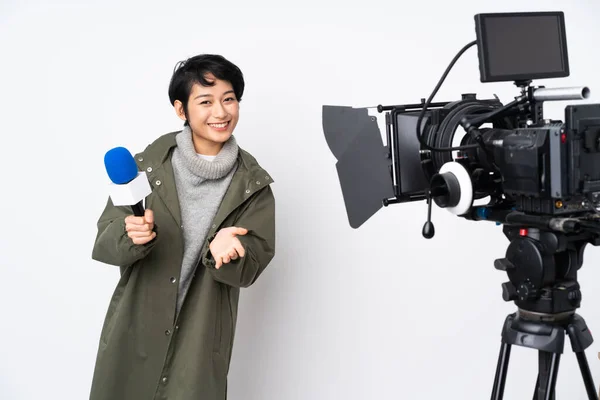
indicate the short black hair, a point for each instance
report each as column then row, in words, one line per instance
column 194, row 70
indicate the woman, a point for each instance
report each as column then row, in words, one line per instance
column 208, row 230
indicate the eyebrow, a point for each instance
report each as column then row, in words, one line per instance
column 210, row 95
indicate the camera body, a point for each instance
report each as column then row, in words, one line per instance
column 524, row 162
column 551, row 168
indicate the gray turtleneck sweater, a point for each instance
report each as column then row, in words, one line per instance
column 201, row 185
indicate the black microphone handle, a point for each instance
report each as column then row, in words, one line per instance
column 138, row 209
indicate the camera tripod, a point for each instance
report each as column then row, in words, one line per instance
column 542, row 269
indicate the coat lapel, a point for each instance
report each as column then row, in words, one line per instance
column 235, row 195
column 155, row 160
column 245, row 182
column 164, row 185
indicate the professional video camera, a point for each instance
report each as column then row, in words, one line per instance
column 541, row 177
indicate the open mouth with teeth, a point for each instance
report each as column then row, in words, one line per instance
column 220, row 126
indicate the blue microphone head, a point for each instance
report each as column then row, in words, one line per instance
column 120, row 165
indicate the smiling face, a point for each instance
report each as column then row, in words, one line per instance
column 212, row 114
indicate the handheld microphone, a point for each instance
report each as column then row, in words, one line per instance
column 129, row 187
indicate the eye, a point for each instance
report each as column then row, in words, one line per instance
column 230, row 99
column 205, row 102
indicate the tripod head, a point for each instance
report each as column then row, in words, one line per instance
column 542, row 267
column 543, row 257
column 542, row 270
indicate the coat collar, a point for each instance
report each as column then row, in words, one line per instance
column 155, row 160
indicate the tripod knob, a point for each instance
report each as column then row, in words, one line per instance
column 503, row 264
column 575, row 297
column 509, row 292
column 527, row 291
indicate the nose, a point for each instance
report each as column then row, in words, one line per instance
column 219, row 111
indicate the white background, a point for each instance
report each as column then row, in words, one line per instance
column 373, row 313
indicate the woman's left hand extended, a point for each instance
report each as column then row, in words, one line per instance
column 226, row 246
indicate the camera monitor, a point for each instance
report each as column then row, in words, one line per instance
column 521, row 46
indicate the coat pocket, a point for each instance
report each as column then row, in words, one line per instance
column 113, row 309
column 111, row 316
column 223, row 322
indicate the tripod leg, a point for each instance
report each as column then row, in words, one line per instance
column 548, row 373
column 537, row 385
column 587, row 376
column 501, row 369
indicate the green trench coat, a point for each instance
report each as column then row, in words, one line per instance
column 146, row 352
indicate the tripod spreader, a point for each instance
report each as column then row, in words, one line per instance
column 548, row 337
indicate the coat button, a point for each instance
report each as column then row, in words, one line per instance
column 258, row 182
column 247, row 190
column 149, row 169
column 141, row 159
column 164, row 379
column 173, row 279
column 158, row 183
column 167, row 332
